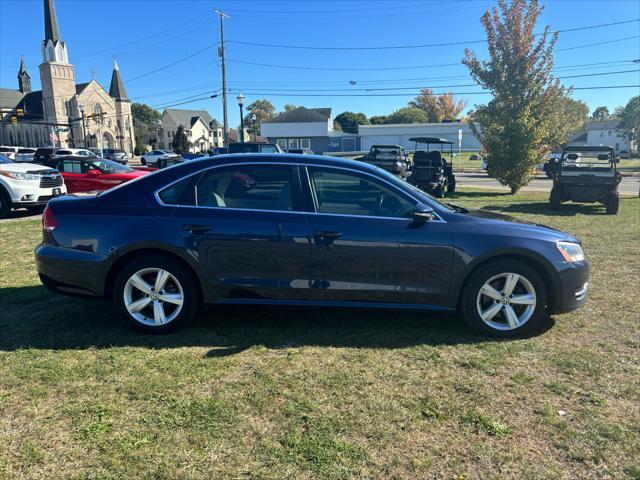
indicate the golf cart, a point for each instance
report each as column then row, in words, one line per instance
column 431, row 172
column 391, row 158
column 586, row 174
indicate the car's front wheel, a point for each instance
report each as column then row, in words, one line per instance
column 143, row 161
column 504, row 298
column 156, row 294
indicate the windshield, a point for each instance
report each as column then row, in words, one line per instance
column 586, row 159
column 110, row 166
column 4, row 159
column 412, row 190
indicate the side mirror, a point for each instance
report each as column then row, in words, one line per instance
column 422, row 214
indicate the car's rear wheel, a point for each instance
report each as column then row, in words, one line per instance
column 504, row 298
column 612, row 203
column 143, row 161
column 439, row 191
column 156, row 294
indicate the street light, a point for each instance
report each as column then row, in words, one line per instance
column 241, row 103
column 84, row 130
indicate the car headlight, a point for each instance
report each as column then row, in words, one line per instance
column 21, row 176
column 571, row 252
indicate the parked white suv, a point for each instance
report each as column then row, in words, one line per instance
column 76, row 152
column 26, row 185
column 151, row 158
column 9, row 152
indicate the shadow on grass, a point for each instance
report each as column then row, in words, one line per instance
column 486, row 193
column 34, row 318
column 543, row 208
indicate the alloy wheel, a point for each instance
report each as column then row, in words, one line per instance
column 153, row 296
column 506, row 301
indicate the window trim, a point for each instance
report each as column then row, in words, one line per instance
column 301, row 187
column 297, row 196
column 308, row 140
column 314, row 198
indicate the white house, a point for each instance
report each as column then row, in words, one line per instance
column 308, row 128
column 606, row 133
column 202, row 130
column 399, row 134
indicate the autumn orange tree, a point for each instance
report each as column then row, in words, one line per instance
column 437, row 107
column 516, row 126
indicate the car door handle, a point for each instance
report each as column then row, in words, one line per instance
column 195, row 228
column 327, row 235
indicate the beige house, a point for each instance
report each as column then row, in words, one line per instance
column 54, row 115
column 203, row 132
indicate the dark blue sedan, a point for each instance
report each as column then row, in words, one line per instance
column 303, row 230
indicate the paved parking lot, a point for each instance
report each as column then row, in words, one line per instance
column 629, row 185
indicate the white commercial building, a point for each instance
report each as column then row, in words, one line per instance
column 399, row 134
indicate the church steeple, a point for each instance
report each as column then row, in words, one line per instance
column 53, row 48
column 24, row 80
column 51, row 31
column 116, row 89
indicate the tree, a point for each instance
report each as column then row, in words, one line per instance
column 600, row 113
column 426, row 101
column 567, row 117
column 407, row 115
column 145, row 120
column 262, row 110
column 448, row 108
column 514, row 127
column 349, row 121
column 630, row 120
column 288, row 107
column 180, row 142
column 378, row 119
column 438, row 107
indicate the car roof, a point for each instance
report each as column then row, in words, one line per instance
column 292, row 158
column 587, row 148
column 430, row 140
column 386, row 146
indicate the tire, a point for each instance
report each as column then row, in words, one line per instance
column 555, row 198
column 5, row 204
column 180, row 284
column 451, row 188
column 439, row 191
column 143, row 161
column 612, row 203
column 529, row 318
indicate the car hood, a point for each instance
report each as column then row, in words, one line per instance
column 24, row 168
column 517, row 226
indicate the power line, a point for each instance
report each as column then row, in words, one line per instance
column 426, row 45
column 164, row 67
column 597, row 43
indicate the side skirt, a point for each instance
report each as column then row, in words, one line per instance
column 321, row 303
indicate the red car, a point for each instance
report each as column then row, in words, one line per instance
column 94, row 174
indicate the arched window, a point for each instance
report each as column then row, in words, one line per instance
column 97, row 110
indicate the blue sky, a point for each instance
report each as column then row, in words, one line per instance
column 147, row 35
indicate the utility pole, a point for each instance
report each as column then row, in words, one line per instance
column 224, row 77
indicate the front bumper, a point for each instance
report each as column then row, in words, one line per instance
column 71, row 271
column 30, row 194
column 573, row 286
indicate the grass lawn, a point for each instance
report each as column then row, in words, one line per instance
column 313, row 393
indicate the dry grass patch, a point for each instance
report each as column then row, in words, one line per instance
column 315, row 393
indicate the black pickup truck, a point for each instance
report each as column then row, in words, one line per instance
column 391, row 158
